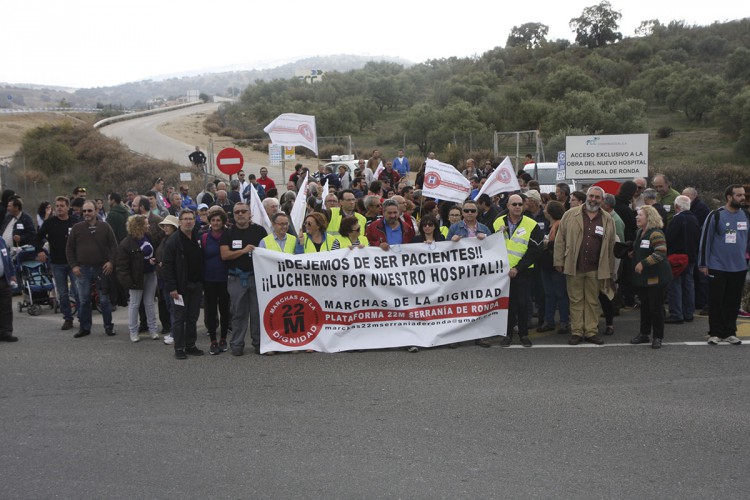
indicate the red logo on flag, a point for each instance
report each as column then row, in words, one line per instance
column 306, row 132
column 503, row 176
column 431, row 180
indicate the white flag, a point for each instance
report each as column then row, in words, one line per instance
column 258, row 211
column 502, row 180
column 299, row 209
column 325, row 193
column 442, row 181
column 378, row 170
column 291, row 129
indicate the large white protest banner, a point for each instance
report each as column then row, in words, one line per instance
column 416, row 294
column 291, row 129
column 502, row 180
column 443, row 182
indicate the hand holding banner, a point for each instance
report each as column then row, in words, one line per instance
column 442, row 181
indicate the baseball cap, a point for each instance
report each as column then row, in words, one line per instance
column 202, row 206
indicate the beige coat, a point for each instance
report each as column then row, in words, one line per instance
column 568, row 244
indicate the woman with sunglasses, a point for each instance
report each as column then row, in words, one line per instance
column 313, row 237
column 349, row 235
column 428, row 232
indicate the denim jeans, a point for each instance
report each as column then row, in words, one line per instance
column 83, row 282
column 145, row 296
column 681, row 296
column 61, row 273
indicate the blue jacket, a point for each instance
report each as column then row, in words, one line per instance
column 715, row 252
column 459, row 228
column 401, row 166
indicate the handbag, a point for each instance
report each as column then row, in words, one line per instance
column 679, row 262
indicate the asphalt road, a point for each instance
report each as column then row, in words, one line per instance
column 141, row 134
column 101, row 417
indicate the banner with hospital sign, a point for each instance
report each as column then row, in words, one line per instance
column 606, row 156
column 291, row 129
column 416, row 294
column 443, row 182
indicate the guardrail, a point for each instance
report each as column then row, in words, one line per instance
column 129, row 116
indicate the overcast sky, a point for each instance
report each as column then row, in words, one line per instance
column 87, row 43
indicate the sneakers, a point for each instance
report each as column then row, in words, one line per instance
column 109, row 330
column 525, row 341
column 743, row 314
column 223, row 345
column 67, row 324
column 506, row 341
column 134, row 337
column 640, row 339
column 713, row 340
column 194, row 351
column 733, row 340
column 167, row 339
column 81, row 333
column 154, row 336
column 180, row 354
column 214, row 348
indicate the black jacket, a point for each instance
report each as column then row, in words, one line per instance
column 24, row 227
column 175, row 263
column 683, row 235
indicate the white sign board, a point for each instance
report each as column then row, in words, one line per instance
column 274, row 155
column 289, row 153
column 185, row 177
column 606, row 156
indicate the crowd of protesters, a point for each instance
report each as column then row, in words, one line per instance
column 573, row 256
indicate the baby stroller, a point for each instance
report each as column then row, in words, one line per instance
column 35, row 279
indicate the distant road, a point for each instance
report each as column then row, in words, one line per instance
column 141, row 135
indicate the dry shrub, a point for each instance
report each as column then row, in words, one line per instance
column 31, row 176
column 97, row 148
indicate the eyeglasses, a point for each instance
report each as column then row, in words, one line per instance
column 87, row 210
column 237, row 212
column 515, row 204
column 470, row 210
column 428, row 224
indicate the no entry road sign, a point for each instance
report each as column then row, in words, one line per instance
column 229, row 161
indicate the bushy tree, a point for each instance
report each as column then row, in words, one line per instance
column 597, row 26
column 528, row 35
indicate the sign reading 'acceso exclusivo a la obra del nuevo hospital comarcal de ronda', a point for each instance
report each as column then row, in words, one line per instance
column 606, row 156
column 416, row 294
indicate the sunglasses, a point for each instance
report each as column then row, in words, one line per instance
column 515, row 204
column 86, row 210
column 470, row 210
column 241, row 211
column 428, row 224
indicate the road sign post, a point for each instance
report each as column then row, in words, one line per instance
column 229, row 161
